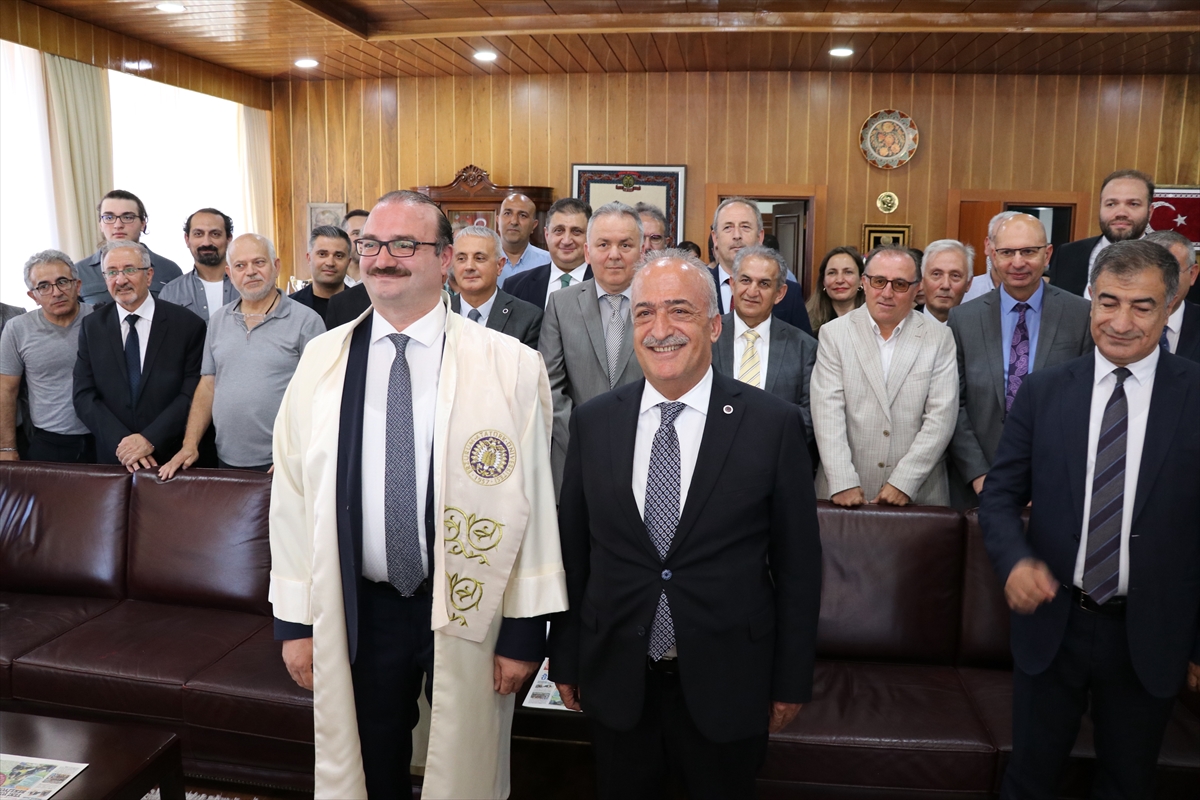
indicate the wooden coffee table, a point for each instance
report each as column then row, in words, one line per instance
column 124, row 761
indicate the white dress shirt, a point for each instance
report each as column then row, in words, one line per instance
column 145, row 315
column 556, row 276
column 887, row 346
column 925, row 310
column 424, row 355
column 1138, row 388
column 726, row 288
column 763, row 345
column 485, row 310
column 689, row 427
column 1173, row 324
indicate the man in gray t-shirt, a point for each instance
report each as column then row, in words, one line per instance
column 41, row 347
column 251, row 350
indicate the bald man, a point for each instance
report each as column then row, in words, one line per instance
column 516, row 224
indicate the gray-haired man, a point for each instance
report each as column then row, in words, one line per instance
column 1181, row 336
column 478, row 260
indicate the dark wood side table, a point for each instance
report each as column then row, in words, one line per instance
column 124, row 761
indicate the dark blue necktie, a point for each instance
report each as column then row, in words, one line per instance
column 402, row 537
column 662, row 514
column 1163, row 342
column 133, row 357
column 1101, row 566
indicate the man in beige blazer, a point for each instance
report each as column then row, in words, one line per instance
column 884, row 394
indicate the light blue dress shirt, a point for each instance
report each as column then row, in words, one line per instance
column 1008, row 323
column 532, row 257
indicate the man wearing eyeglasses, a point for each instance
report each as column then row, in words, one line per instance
column 884, row 393
column 40, row 347
column 123, row 218
column 1022, row 325
column 654, row 227
column 138, row 364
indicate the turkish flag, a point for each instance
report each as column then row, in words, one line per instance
column 1176, row 210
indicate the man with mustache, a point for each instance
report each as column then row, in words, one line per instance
column 690, row 540
column 250, row 353
column 122, row 217
column 1001, row 338
column 328, row 259
column 517, row 221
column 1125, row 198
column 207, row 287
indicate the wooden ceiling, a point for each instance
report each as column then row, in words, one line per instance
column 429, row 38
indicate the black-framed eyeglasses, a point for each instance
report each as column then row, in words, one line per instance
column 1007, row 254
column 899, row 285
column 656, row 238
column 399, row 248
column 130, row 271
column 46, row 287
column 128, row 218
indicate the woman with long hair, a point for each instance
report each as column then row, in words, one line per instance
column 840, row 290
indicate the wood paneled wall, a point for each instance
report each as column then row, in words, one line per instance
column 352, row 141
column 51, row 32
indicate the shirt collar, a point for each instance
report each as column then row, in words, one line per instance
column 1035, row 302
column 485, row 310
column 896, row 332
column 144, row 311
column 697, row 397
column 739, row 327
column 1141, row 371
column 557, row 272
column 1176, row 320
column 929, row 314
column 426, row 330
column 628, row 293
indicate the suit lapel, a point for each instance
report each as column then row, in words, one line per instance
column 623, row 434
column 158, row 332
column 719, row 430
column 723, row 349
column 1073, row 419
column 456, row 304
column 589, row 307
column 990, row 333
column 1189, row 333
column 863, row 338
column 907, row 349
column 1166, row 407
column 716, row 276
column 778, row 352
column 1051, row 313
column 113, row 333
column 498, row 317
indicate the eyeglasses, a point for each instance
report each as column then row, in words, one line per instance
column 899, row 285
column 62, row 284
column 130, row 271
column 1007, row 254
column 128, row 218
column 399, row 248
column 655, row 238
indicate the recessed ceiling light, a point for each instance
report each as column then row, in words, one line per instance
column 485, row 55
column 841, row 52
column 171, row 8
column 306, row 63
column 138, row 66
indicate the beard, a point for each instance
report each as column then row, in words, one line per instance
column 209, row 257
column 1134, row 233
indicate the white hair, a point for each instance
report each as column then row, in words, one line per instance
column 48, row 257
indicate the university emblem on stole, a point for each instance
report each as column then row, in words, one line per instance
column 489, row 457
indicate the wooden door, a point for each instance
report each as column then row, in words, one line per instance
column 973, row 219
column 789, row 229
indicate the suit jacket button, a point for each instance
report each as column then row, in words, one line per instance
column 882, row 465
column 641, row 631
column 885, row 433
column 666, row 574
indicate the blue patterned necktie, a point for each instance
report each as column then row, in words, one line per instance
column 1018, row 357
column 1163, row 342
column 1102, row 564
column 474, row 315
column 133, row 357
column 402, row 537
column 662, row 515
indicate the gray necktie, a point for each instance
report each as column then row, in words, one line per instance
column 1102, row 564
column 614, row 333
column 474, row 315
column 661, row 515
column 402, row 537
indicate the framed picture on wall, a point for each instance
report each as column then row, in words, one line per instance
column 662, row 186
column 325, row 214
column 1177, row 208
column 465, row 217
column 878, row 235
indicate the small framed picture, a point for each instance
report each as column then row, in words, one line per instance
column 465, row 217
column 879, row 235
column 325, row 214
column 659, row 185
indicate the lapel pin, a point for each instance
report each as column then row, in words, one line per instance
column 728, row 409
column 504, row 311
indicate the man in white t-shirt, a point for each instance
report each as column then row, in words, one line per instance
column 206, row 288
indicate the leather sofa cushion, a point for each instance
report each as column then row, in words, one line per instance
column 215, row 554
column 249, row 691
column 62, row 529
column 133, row 659
column 891, row 585
column 984, row 639
column 884, row 726
column 28, row 621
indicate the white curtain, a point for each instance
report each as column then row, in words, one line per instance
column 27, row 221
column 254, row 161
column 81, row 152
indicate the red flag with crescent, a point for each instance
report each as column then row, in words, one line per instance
column 1176, row 210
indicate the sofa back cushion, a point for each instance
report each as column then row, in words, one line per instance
column 892, row 583
column 62, row 528
column 985, row 622
column 201, row 539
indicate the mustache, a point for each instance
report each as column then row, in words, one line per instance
column 649, row 340
column 1125, row 337
column 397, row 271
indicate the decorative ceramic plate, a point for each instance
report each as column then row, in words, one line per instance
column 888, row 139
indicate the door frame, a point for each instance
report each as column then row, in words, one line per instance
column 816, row 195
column 1082, row 201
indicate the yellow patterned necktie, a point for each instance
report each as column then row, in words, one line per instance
column 749, row 371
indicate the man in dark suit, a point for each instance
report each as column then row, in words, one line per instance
column 738, row 223
column 1001, row 337
column 566, row 239
column 1182, row 333
column 758, row 348
column 689, row 537
column 346, row 306
column 1105, row 583
column 1125, row 197
column 478, row 259
column 139, row 363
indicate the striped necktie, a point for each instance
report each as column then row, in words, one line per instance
column 1102, row 565
column 750, row 371
column 614, row 334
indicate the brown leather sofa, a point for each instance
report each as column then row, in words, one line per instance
column 124, row 597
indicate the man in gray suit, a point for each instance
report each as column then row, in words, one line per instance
column 587, row 335
column 478, row 260
column 1022, row 325
column 761, row 349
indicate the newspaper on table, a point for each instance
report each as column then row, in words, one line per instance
column 543, row 693
column 34, row 778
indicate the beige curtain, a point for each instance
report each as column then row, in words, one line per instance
column 254, row 157
column 81, row 154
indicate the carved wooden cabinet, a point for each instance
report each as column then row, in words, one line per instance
column 472, row 199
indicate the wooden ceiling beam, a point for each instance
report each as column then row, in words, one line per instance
column 343, row 15
column 782, row 22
